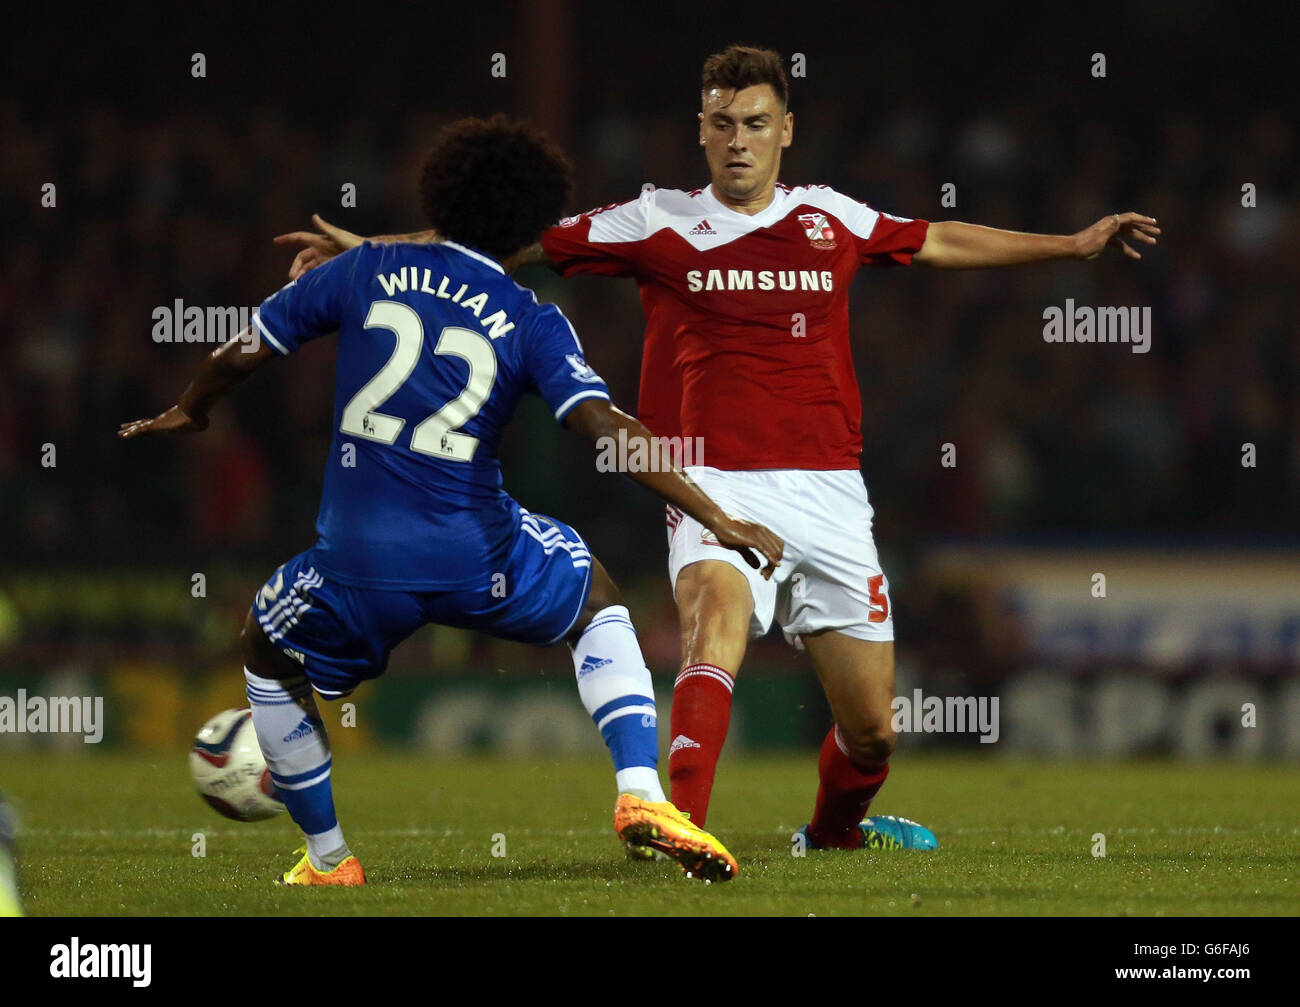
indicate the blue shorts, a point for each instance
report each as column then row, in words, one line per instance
column 343, row 635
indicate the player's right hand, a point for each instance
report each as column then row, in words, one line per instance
column 747, row 536
column 1116, row 231
column 317, row 249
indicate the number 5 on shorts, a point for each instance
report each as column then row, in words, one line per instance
column 877, row 598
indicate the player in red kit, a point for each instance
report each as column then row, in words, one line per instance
column 744, row 284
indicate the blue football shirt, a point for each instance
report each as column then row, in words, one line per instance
column 436, row 346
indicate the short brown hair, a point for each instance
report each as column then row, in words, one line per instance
column 741, row 66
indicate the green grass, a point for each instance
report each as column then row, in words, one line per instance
column 111, row 835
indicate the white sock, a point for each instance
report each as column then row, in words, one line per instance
column 296, row 748
column 616, row 690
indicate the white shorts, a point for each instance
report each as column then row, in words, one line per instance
column 829, row 577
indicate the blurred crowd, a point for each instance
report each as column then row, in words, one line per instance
column 155, row 204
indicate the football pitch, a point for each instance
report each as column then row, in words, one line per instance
column 115, row 835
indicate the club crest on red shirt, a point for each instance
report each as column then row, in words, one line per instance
column 819, row 230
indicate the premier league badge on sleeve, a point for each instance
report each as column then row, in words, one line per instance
column 581, row 369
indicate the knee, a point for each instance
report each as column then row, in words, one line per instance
column 604, row 592
column 601, row 595
column 871, row 744
column 248, row 639
column 260, row 657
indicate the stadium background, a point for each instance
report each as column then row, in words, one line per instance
column 1072, row 460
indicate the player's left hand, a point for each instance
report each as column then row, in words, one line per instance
column 1117, row 231
column 173, row 421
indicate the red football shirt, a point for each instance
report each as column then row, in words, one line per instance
column 747, row 316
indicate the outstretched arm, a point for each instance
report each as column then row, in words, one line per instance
column 952, row 244
column 597, row 418
column 317, row 248
column 221, row 371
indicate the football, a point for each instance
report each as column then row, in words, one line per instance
column 229, row 771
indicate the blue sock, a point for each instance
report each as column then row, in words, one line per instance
column 295, row 744
column 616, row 690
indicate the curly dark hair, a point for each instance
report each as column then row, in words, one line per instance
column 742, row 66
column 494, row 184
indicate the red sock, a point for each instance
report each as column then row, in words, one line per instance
column 701, row 713
column 843, row 797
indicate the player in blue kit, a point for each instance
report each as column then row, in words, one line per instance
column 436, row 347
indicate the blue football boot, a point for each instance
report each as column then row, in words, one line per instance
column 888, row 832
